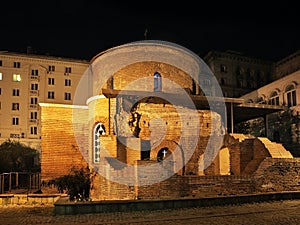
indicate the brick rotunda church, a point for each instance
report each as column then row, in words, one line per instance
column 150, row 121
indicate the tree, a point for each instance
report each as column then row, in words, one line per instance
column 17, row 157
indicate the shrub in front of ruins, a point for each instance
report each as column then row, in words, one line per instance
column 76, row 184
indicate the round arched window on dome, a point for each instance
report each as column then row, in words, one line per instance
column 157, row 82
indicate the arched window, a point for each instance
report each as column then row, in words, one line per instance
column 260, row 100
column 157, row 82
column 162, row 154
column 274, row 98
column 290, row 92
column 99, row 130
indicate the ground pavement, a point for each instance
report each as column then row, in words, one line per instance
column 276, row 212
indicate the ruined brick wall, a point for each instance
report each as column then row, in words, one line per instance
column 60, row 150
column 278, row 175
column 273, row 175
column 197, row 187
column 105, row 189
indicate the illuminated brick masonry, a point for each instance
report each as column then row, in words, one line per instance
column 152, row 126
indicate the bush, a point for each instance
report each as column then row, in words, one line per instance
column 77, row 184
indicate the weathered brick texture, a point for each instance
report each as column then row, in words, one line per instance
column 60, row 150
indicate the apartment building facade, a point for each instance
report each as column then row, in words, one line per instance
column 238, row 74
column 27, row 80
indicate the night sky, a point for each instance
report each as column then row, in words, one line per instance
column 82, row 29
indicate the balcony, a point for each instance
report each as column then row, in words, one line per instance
column 33, row 106
column 34, row 77
column 33, row 121
column 34, row 92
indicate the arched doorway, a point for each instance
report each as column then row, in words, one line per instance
column 224, row 161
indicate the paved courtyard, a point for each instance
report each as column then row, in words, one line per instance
column 277, row 212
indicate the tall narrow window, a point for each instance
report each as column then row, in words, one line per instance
column 15, row 106
column 34, row 87
column 274, row 98
column 157, row 82
column 67, row 96
column 33, row 130
column 68, row 70
column 34, row 72
column 16, row 92
column 67, row 82
column 33, row 115
column 51, row 94
column 16, row 77
column 51, row 68
column 223, row 68
column 0, row 76
column 15, row 121
column 17, row 64
column 51, row 81
column 291, row 95
column 98, row 131
column 33, row 101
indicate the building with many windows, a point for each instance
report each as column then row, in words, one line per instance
column 238, row 74
column 25, row 81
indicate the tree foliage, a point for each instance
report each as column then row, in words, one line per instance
column 17, row 157
column 76, row 184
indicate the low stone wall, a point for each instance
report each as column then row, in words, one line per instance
column 28, row 199
column 63, row 207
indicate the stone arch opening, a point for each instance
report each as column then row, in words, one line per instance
column 162, row 154
column 99, row 130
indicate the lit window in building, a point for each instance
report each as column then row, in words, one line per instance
column 33, row 130
column 274, row 98
column 15, row 106
column 291, row 95
column 16, row 92
column 0, row 76
column 98, row 131
column 17, row 64
column 67, row 96
column 67, row 82
column 51, row 81
column 15, row 121
column 51, row 94
column 16, row 77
